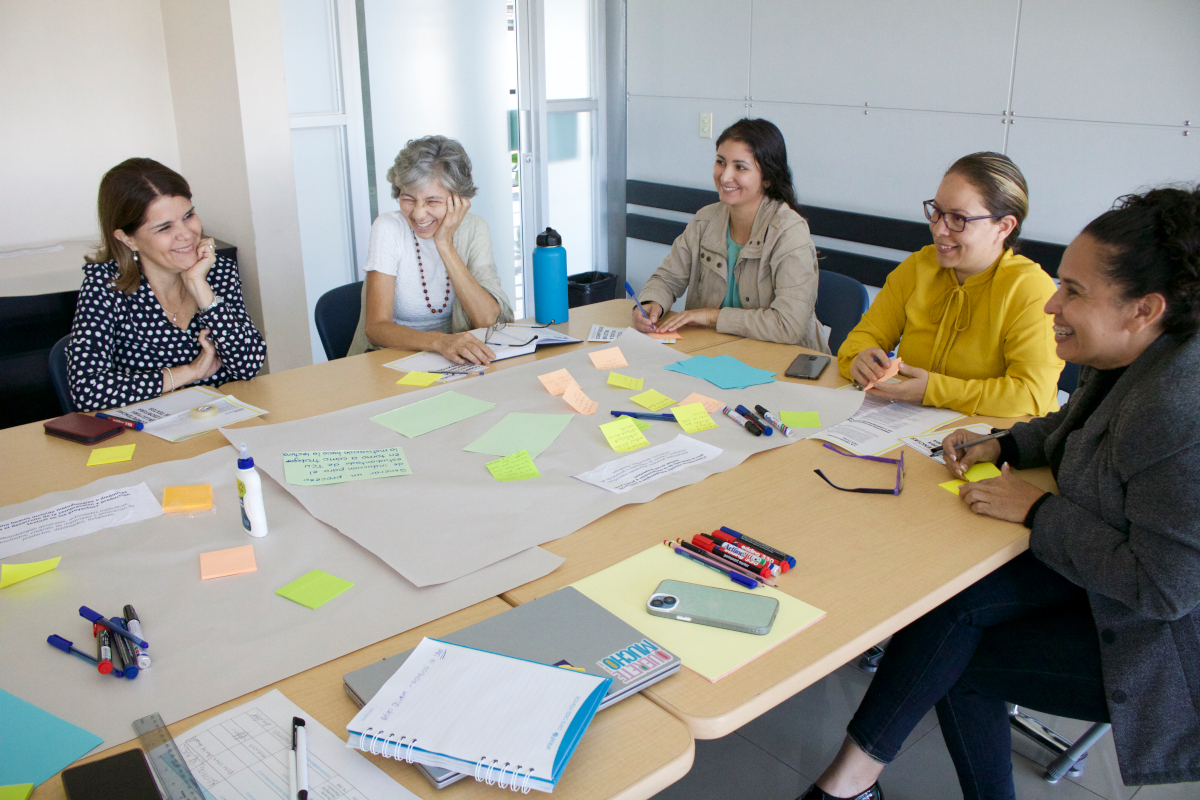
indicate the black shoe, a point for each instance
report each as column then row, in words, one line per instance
column 813, row 793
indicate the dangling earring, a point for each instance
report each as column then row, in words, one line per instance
column 135, row 256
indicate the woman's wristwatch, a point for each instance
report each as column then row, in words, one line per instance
column 217, row 300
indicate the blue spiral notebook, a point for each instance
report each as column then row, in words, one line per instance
column 499, row 719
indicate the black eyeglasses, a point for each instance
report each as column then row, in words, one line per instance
column 899, row 462
column 955, row 222
column 500, row 326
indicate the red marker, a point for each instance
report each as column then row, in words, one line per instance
column 735, row 554
column 137, row 426
column 103, row 650
column 725, row 537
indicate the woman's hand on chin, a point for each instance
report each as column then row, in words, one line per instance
column 464, row 348
column 456, row 211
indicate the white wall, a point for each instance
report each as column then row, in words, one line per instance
column 877, row 97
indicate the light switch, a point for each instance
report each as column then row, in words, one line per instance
column 705, row 124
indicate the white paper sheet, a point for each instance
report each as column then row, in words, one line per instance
column 433, row 362
column 77, row 518
column 243, row 755
column 878, row 425
column 169, row 417
column 601, row 333
column 650, row 464
column 925, row 444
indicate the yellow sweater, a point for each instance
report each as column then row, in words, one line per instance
column 988, row 345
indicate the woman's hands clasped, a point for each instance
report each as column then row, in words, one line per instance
column 870, row 365
column 1007, row 497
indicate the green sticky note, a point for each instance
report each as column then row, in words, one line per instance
column 976, row 472
column 110, row 455
column 320, row 467
column 314, row 589
column 642, row 425
column 15, row 573
column 516, row 467
column 625, row 382
column 800, row 419
column 20, row 791
column 432, row 413
column 530, row 432
column 653, row 400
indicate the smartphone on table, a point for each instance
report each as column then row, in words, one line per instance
column 720, row 608
column 807, row 366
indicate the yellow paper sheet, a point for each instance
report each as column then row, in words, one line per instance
column 234, row 561
column 15, row 573
column 185, row 499
column 516, row 467
column 653, row 400
column 693, row 418
column 800, row 419
column 976, row 472
column 625, row 587
column 710, row 405
column 110, row 455
column 419, row 379
column 580, row 401
column 608, row 358
column 623, row 434
column 557, row 382
column 624, row 381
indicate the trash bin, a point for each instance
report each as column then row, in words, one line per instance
column 590, row 287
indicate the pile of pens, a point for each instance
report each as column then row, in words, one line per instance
column 748, row 562
column 298, row 761
column 120, row 648
column 764, row 422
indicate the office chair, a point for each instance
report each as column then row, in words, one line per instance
column 1071, row 757
column 841, row 302
column 336, row 316
column 1068, row 379
column 58, row 374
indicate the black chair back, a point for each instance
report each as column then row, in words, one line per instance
column 58, row 375
column 841, row 302
column 336, row 316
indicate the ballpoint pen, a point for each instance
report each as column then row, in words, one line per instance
column 642, row 415
column 633, row 296
column 964, row 445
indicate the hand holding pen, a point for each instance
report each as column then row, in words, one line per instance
column 643, row 321
column 963, row 448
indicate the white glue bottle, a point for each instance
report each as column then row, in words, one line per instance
column 254, row 515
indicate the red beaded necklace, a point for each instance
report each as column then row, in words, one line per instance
column 425, row 288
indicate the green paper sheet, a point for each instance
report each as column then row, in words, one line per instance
column 35, row 744
column 531, row 432
column 800, row 419
column 314, row 589
column 321, row 467
column 432, row 413
column 516, row 467
column 20, row 791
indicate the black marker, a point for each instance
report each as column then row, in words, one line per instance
column 135, row 627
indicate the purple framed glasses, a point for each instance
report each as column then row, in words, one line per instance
column 899, row 462
column 955, row 222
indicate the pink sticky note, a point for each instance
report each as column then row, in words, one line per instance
column 710, row 405
column 557, row 382
column 580, row 401
column 233, row 561
column 888, row 373
column 609, row 358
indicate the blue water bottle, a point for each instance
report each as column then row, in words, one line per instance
column 549, row 279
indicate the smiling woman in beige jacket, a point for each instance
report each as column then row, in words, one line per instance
column 755, row 230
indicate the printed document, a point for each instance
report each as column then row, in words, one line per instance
column 925, row 444
column 649, row 465
column 170, row 416
column 878, row 425
column 601, row 333
column 77, row 518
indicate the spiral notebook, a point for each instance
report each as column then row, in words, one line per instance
column 502, row 720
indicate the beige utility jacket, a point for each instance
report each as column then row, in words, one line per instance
column 776, row 275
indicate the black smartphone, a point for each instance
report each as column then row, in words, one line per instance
column 807, row 366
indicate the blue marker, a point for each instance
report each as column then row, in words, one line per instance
column 69, row 647
column 748, row 414
column 633, row 296
column 739, row 579
column 98, row 618
column 640, row 415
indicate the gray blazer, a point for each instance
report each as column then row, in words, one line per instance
column 1126, row 527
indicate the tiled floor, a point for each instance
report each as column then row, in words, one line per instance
column 778, row 755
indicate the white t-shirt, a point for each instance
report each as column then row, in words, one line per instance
column 393, row 251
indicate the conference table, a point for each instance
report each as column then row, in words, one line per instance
column 873, row 563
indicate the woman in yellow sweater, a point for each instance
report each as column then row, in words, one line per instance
column 966, row 311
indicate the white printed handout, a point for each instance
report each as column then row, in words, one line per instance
column 649, row 465
column 925, row 444
column 189, row 412
column 878, row 425
column 77, row 518
column 600, row 333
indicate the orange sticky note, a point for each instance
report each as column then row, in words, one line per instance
column 184, row 499
column 234, row 561
column 888, row 373
column 608, row 358
column 557, row 382
column 710, row 405
column 580, row 401
column 666, row 337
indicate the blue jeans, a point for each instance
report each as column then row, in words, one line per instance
column 1023, row 634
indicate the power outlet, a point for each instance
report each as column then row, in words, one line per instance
column 705, row 124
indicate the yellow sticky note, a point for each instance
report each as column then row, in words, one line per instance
column 110, row 455
column 17, row 791
column 653, row 400
column 608, row 358
column 517, row 467
column 15, row 573
column 976, row 472
column 580, row 401
column 419, row 379
column 800, row 419
column 185, row 499
column 693, row 418
column 623, row 434
column 710, row 405
column 624, row 381
column 234, row 561
column 314, row 589
column 557, row 382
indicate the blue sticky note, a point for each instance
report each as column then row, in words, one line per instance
column 35, row 744
column 724, row 371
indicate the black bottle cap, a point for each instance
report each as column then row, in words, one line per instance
column 549, row 239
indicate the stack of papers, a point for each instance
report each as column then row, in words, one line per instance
column 879, row 425
column 170, row 416
column 507, row 342
column 723, row 371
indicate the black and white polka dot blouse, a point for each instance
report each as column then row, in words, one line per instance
column 121, row 342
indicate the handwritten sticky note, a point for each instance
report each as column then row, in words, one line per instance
column 186, row 499
column 110, row 455
column 710, row 405
column 580, row 401
column 888, row 373
column 234, row 561
column 15, row 573
column 800, row 419
column 321, row 467
column 516, row 467
column 653, row 400
column 624, row 381
column 976, row 472
column 623, row 435
column 314, row 589
column 419, row 379
column 608, row 358
column 693, row 418
column 557, row 382
column 432, row 413
column 18, row 791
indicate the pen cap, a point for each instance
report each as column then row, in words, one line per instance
column 244, row 460
column 59, row 642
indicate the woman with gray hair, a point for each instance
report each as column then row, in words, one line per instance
column 431, row 277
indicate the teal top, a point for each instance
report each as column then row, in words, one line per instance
column 732, row 251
